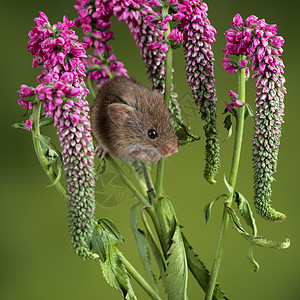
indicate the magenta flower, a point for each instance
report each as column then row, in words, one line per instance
column 233, row 96
column 229, row 66
column 259, row 42
column 63, row 91
column 26, row 91
column 237, row 102
column 94, row 19
column 28, row 125
column 228, row 106
column 176, row 35
column 198, row 36
column 243, row 63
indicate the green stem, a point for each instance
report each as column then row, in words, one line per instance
column 91, row 88
column 106, row 66
column 147, row 177
column 169, row 59
column 38, row 149
column 232, row 182
column 168, row 78
column 126, row 180
column 160, row 177
column 138, row 278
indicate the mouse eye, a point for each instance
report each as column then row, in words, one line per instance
column 152, row 134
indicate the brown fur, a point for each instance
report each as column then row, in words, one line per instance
column 121, row 125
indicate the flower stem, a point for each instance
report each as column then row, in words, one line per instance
column 126, row 180
column 232, row 182
column 38, row 149
column 138, row 278
column 168, row 78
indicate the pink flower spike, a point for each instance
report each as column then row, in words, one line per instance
column 28, row 125
column 237, row 103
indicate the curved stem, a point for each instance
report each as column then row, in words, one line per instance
column 126, row 180
column 232, row 182
column 38, row 149
column 138, row 278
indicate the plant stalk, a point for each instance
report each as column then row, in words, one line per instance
column 35, row 130
column 126, row 180
column 232, row 181
column 138, row 278
column 168, row 78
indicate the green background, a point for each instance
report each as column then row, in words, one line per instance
column 35, row 253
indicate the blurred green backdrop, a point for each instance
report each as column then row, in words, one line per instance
column 36, row 257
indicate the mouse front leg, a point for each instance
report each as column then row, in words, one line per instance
column 100, row 151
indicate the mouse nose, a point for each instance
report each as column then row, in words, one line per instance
column 168, row 149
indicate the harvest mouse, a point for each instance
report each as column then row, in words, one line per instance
column 131, row 122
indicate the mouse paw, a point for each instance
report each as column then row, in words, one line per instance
column 100, row 151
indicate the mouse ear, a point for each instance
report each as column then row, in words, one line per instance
column 119, row 112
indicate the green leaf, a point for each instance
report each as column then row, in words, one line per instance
column 183, row 135
column 115, row 274
column 229, row 187
column 245, row 210
column 141, row 242
column 228, row 125
column 52, row 156
column 248, row 111
column 251, row 258
column 199, row 270
column 256, row 240
column 113, row 270
column 176, row 274
column 46, row 121
column 112, row 228
column 153, row 244
column 20, row 125
column 208, row 207
column 97, row 243
column 164, row 205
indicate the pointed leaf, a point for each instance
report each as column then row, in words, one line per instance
column 46, row 121
column 251, row 258
column 245, row 210
column 115, row 274
column 208, row 207
column 228, row 122
column 97, row 243
column 113, row 229
column 20, row 125
column 199, row 270
column 248, row 111
column 229, row 187
column 176, row 274
column 141, row 242
column 153, row 244
column 256, row 240
column 113, row 270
